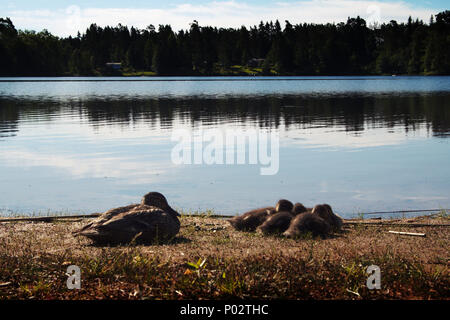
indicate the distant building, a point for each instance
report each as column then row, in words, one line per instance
column 114, row 65
column 255, row 63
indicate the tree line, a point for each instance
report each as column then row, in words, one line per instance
column 351, row 48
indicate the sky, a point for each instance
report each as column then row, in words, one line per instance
column 63, row 17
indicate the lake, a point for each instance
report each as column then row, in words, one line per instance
column 82, row 145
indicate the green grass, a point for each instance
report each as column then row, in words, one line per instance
column 444, row 214
column 139, row 74
column 198, row 213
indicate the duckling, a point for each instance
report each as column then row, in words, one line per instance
column 307, row 222
column 276, row 223
column 151, row 220
column 250, row 220
column 298, row 208
column 326, row 213
column 284, row 205
column 337, row 220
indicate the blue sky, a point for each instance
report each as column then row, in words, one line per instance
column 64, row 17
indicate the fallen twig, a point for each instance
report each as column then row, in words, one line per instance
column 408, row 211
column 408, row 233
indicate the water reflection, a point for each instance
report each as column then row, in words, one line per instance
column 353, row 113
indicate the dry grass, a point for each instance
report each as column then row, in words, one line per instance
column 210, row 260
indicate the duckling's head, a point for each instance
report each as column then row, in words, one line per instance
column 323, row 212
column 284, row 205
column 298, row 208
column 336, row 221
column 328, row 207
column 156, row 199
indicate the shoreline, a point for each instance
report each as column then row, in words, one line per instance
column 248, row 76
column 49, row 216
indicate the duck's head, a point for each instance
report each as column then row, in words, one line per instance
column 156, row 199
column 284, row 205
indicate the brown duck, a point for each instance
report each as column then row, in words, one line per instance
column 250, row 220
column 150, row 221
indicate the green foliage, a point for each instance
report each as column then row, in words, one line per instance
column 303, row 49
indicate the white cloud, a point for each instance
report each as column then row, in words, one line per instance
column 223, row 14
column 102, row 166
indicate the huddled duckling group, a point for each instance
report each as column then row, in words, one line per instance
column 153, row 220
column 290, row 220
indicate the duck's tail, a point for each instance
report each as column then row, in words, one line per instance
column 236, row 222
column 82, row 230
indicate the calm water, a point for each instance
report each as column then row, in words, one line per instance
column 81, row 145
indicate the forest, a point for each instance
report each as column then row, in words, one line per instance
column 350, row 48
